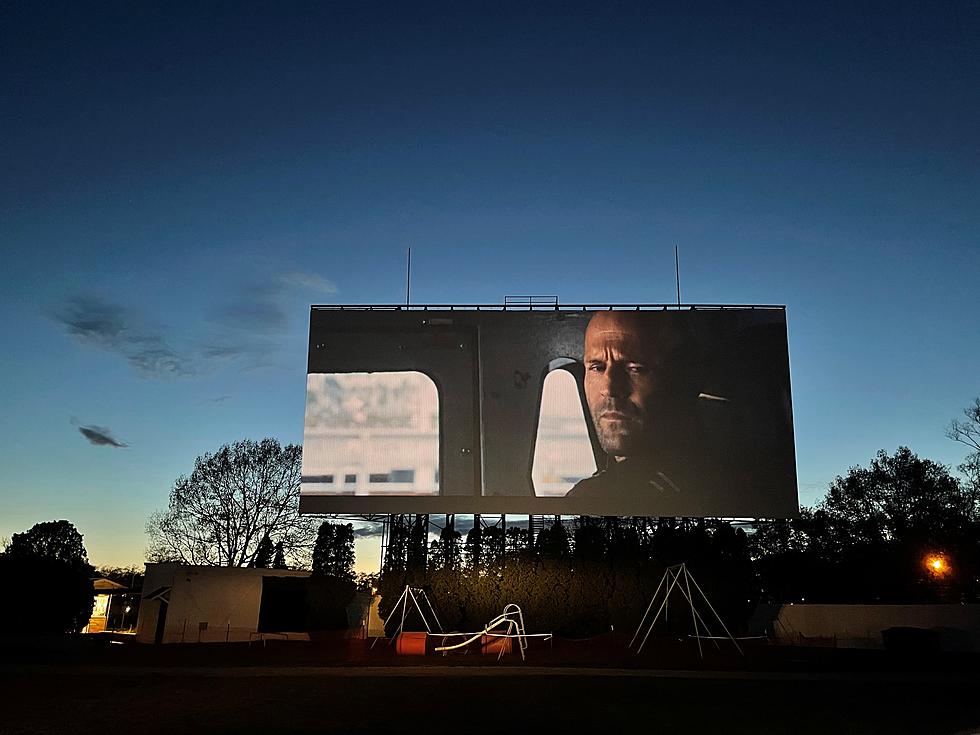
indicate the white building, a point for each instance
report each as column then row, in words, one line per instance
column 189, row 604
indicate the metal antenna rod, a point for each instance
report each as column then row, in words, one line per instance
column 677, row 274
column 408, row 280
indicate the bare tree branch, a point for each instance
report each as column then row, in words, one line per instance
column 218, row 515
column 967, row 432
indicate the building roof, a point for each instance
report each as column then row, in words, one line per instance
column 107, row 585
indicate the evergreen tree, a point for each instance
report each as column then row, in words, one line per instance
column 553, row 542
column 590, row 539
column 280, row 561
column 333, row 553
column 445, row 552
column 263, row 554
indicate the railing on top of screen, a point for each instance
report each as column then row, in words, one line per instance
column 529, row 301
column 553, row 306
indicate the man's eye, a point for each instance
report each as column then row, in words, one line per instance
column 636, row 368
column 594, row 367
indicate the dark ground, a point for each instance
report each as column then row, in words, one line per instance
column 339, row 687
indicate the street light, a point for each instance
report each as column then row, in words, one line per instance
column 937, row 564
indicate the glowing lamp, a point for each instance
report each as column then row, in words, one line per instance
column 937, row 565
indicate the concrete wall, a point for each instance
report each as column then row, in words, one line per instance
column 860, row 626
column 226, row 598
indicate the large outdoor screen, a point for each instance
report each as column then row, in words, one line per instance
column 611, row 411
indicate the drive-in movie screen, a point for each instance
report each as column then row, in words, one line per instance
column 603, row 411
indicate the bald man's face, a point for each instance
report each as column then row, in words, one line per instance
column 623, row 380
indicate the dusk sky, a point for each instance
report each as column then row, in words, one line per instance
column 178, row 183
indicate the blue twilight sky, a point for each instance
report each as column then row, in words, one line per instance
column 179, row 182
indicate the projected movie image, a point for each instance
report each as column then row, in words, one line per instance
column 683, row 412
column 371, row 434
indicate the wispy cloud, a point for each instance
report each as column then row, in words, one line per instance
column 255, row 322
column 93, row 320
column 248, row 330
column 100, row 436
column 255, row 310
column 463, row 524
column 369, row 530
column 111, row 327
column 241, row 349
column 307, row 282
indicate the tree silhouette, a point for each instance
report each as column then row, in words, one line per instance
column 446, row 553
column 333, row 553
column 868, row 539
column 473, row 547
column 553, row 541
column 219, row 514
column 49, row 557
column 518, row 541
column 131, row 577
column 263, row 554
column 898, row 498
column 967, row 432
column 55, row 540
column 280, row 561
column 600, row 578
column 590, row 540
